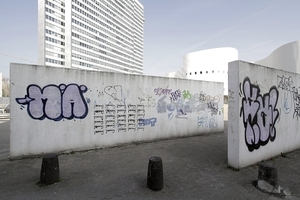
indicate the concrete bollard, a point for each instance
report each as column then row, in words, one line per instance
column 49, row 170
column 268, row 172
column 155, row 177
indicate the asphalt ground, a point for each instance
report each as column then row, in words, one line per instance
column 193, row 167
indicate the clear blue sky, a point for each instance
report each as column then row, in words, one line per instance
column 172, row 29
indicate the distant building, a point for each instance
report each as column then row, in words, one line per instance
column 91, row 34
column 207, row 65
column 1, row 85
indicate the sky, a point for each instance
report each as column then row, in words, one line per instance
column 172, row 29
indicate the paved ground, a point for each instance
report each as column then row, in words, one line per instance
column 194, row 168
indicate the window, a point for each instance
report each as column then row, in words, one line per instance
column 212, row 71
column 195, row 73
column 200, row 72
column 207, row 72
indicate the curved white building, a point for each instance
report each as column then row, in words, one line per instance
column 207, row 65
column 286, row 57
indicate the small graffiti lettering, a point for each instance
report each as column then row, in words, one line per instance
column 187, row 95
column 160, row 91
column 145, row 122
column 175, row 96
column 207, row 122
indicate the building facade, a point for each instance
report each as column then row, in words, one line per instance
column 207, row 65
column 104, row 35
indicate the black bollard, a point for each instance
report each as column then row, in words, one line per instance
column 155, row 178
column 50, row 169
column 268, row 173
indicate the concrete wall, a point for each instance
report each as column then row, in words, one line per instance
column 60, row 109
column 263, row 113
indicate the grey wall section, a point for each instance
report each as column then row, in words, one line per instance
column 263, row 113
column 59, row 109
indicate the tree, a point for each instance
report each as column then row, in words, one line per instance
column 5, row 87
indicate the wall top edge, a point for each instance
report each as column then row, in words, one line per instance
column 43, row 67
column 258, row 65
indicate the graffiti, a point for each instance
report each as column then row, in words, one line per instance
column 116, row 93
column 145, row 122
column 202, row 96
column 207, row 121
column 287, row 102
column 110, row 118
column 213, row 107
column 285, row 83
column 231, row 101
column 162, row 105
column 55, row 102
column 187, row 94
column 187, row 104
column 175, row 96
column 146, row 99
column 160, row 91
column 259, row 114
column 290, row 96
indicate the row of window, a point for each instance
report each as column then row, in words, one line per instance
column 75, row 62
column 116, row 19
column 102, row 26
column 50, row 39
column 55, row 6
column 48, row 53
column 60, row 2
column 99, row 56
column 55, row 48
column 50, row 11
column 213, row 71
column 98, row 16
column 54, row 34
column 55, row 20
column 101, row 40
column 58, row 62
column 54, row 27
column 110, row 44
column 97, row 61
column 107, row 48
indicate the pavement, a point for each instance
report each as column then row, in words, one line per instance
column 194, row 168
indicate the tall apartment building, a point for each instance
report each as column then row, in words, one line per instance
column 104, row 35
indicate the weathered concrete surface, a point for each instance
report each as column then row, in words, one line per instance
column 194, row 168
column 71, row 110
column 263, row 113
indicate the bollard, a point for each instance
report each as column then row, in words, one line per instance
column 268, row 172
column 155, row 178
column 49, row 170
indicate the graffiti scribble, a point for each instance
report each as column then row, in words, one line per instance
column 259, row 115
column 160, row 91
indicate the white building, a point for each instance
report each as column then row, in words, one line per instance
column 207, row 65
column 285, row 57
column 91, row 34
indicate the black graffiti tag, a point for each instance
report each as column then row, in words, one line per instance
column 55, row 102
column 259, row 115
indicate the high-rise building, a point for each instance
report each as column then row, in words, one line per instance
column 104, row 35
